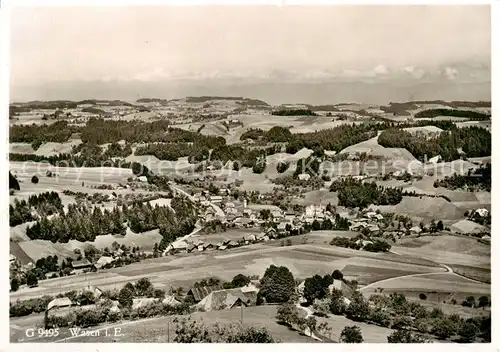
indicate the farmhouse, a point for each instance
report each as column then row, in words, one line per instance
column 216, row 199
column 142, row 302
column 481, row 212
column 96, row 292
column 103, row 261
column 271, row 232
column 59, row 306
column 171, row 301
column 198, row 293
column 415, row 230
column 80, row 265
column 227, row 299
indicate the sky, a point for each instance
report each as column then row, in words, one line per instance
column 151, row 45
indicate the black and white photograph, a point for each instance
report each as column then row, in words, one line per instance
column 251, row 173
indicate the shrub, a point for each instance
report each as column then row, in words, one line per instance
column 14, row 284
column 351, row 334
column 113, row 317
column 337, row 274
column 287, row 314
column 359, row 309
column 469, row 302
column 282, row 167
column 468, row 331
column 337, row 304
column 400, row 336
column 380, row 317
column 34, row 179
column 483, row 301
column 422, row 296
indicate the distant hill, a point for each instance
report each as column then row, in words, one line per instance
column 152, row 100
column 240, row 100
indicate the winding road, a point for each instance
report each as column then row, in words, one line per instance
column 449, row 270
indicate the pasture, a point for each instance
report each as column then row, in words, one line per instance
column 303, row 260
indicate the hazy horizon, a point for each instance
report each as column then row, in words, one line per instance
column 310, row 54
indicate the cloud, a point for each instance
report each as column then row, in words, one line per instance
column 450, row 73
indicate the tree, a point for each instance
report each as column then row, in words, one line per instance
column 468, row 331
column 144, row 287
column 282, row 167
column 337, row 304
column 483, row 301
column 155, row 250
column 126, row 296
column 316, row 226
column 31, row 279
column 190, row 331
column 401, row 322
column 34, row 179
column 159, row 293
column 265, row 214
column 469, row 302
column 380, row 317
column 337, row 275
column 440, row 226
column 422, row 296
column 442, row 328
column 277, row 285
column 287, row 314
column 91, row 252
column 13, row 183
column 401, row 336
column 315, row 288
column 351, row 334
column 240, row 280
column 115, row 246
column 14, row 284
column 358, row 309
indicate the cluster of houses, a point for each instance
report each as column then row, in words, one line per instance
column 190, row 245
column 245, row 217
column 205, row 298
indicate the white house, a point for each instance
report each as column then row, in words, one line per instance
column 304, row 177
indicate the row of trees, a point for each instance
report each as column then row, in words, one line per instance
column 477, row 180
column 474, row 142
column 471, row 115
column 354, row 193
column 84, row 224
column 377, row 245
column 294, row 112
column 58, row 132
column 45, row 204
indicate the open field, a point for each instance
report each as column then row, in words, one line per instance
column 443, row 283
column 447, row 249
column 67, row 175
column 183, row 270
column 424, row 207
column 321, row 196
column 472, row 272
column 371, row 147
column 162, row 329
column 37, row 249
